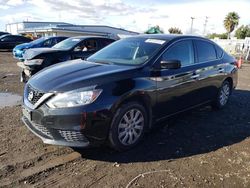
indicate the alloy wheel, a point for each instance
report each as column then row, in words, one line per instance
column 224, row 94
column 130, row 127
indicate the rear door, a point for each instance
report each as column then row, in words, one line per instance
column 177, row 88
column 210, row 71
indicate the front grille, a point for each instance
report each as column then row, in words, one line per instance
column 43, row 130
column 72, row 136
column 36, row 95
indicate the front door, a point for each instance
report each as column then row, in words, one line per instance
column 177, row 88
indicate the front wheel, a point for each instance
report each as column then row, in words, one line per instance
column 222, row 96
column 128, row 126
column 23, row 77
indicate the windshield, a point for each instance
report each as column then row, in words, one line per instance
column 67, row 44
column 38, row 41
column 130, row 51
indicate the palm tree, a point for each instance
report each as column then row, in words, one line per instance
column 231, row 21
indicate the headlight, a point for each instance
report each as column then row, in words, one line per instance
column 74, row 98
column 33, row 62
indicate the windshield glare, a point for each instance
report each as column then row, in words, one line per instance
column 130, row 51
column 67, row 44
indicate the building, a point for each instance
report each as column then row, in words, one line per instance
column 38, row 29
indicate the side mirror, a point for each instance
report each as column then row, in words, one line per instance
column 171, row 64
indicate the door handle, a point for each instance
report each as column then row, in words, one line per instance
column 195, row 76
column 221, row 70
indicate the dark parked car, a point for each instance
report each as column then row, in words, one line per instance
column 122, row 90
column 3, row 33
column 10, row 41
column 43, row 42
column 71, row 48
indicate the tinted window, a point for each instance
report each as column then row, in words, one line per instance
column 205, row 51
column 47, row 43
column 91, row 44
column 53, row 41
column 219, row 51
column 22, row 39
column 106, row 42
column 8, row 39
column 182, row 51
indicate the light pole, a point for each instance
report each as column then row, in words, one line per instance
column 205, row 26
column 192, row 22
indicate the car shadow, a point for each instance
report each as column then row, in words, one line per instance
column 191, row 133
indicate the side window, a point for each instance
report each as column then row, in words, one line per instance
column 205, row 51
column 182, row 51
column 23, row 39
column 47, row 43
column 60, row 39
column 8, row 39
column 219, row 51
column 53, row 42
column 91, row 45
column 106, row 42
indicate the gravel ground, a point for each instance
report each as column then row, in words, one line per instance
column 200, row 148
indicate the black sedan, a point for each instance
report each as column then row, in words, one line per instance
column 71, row 48
column 122, row 90
column 10, row 41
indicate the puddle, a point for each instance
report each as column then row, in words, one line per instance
column 9, row 99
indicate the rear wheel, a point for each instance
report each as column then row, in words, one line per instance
column 128, row 126
column 223, row 95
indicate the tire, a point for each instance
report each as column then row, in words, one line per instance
column 23, row 77
column 124, row 132
column 223, row 95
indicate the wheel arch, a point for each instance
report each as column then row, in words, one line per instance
column 139, row 97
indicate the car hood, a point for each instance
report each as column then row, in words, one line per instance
column 23, row 46
column 77, row 74
column 31, row 53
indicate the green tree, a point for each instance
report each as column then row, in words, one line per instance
column 154, row 30
column 216, row 35
column 174, row 30
column 231, row 21
column 242, row 32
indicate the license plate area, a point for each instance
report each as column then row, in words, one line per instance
column 27, row 113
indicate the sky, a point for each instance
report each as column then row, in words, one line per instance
column 133, row 15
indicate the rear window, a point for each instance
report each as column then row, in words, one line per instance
column 205, row 51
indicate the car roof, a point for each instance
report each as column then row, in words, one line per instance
column 51, row 37
column 166, row 36
column 86, row 37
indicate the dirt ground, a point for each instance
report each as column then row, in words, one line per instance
column 201, row 148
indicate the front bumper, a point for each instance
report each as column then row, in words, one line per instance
column 57, row 137
column 75, row 127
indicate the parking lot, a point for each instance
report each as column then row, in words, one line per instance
column 200, row 148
